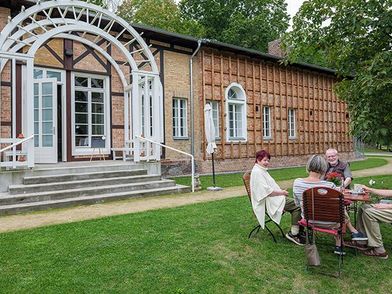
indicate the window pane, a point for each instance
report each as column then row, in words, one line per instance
column 53, row 74
column 96, row 83
column 97, row 108
column 36, row 118
column 97, row 97
column 47, row 101
column 81, row 118
column 47, row 140
column 81, row 129
column 36, row 141
column 47, row 128
column 81, row 107
column 81, row 141
column 97, row 118
column 47, row 115
column 36, row 102
column 36, row 128
column 97, row 129
column 81, row 81
column 232, row 94
column 81, row 96
column 47, row 88
column 38, row 74
column 35, row 89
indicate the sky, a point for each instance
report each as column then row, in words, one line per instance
column 293, row 6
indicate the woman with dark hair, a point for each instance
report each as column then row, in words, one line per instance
column 268, row 197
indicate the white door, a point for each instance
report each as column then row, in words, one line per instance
column 45, row 120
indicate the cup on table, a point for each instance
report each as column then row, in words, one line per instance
column 358, row 188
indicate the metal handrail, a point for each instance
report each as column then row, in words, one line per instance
column 16, row 144
column 179, row 151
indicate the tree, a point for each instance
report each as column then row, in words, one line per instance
column 163, row 14
column 247, row 23
column 353, row 37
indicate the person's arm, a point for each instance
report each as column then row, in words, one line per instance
column 278, row 193
column 379, row 192
column 348, row 176
column 383, row 206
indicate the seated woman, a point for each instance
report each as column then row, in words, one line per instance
column 316, row 168
column 267, row 195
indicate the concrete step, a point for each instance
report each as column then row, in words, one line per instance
column 84, row 167
column 29, row 180
column 56, row 186
column 58, row 203
column 88, row 191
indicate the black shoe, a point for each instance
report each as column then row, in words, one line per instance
column 339, row 251
column 295, row 239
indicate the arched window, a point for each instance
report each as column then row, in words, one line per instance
column 236, row 113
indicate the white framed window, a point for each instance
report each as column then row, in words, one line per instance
column 236, row 113
column 180, row 118
column 90, row 112
column 266, row 122
column 215, row 117
column 291, row 123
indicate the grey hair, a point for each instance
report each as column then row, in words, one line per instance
column 317, row 164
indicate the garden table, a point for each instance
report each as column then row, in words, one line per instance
column 354, row 197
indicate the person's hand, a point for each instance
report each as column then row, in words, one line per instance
column 285, row 193
column 383, row 206
column 366, row 189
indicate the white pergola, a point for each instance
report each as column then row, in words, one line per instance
column 75, row 20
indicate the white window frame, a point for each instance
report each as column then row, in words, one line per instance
column 179, row 121
column 240, row 102
column 215, row 107
column 267, row 135
column 86, row 150
column 291, row 123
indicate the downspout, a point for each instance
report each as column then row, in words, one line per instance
column 199, row 42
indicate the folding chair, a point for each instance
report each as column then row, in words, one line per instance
column 322, row 204
column 246, row 179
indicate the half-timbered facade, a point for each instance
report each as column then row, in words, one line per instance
column 75, row 76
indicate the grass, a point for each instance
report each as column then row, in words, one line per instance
column 201, row 248
column 384, row 149
column 281, row 174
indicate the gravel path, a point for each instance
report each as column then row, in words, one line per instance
column 59, row 216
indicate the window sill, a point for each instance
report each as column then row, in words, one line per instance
column 180, row 138
column 236, row 140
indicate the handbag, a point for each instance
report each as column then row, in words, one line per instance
column 311, row 252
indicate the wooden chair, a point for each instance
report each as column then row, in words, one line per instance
column 322, row 204
column 246, row 179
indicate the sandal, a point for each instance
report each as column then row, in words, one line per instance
column 372, row 252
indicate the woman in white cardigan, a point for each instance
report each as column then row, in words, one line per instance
column 268, row 197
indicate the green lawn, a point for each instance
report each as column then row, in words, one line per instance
column 200, row 248
column 235, row 179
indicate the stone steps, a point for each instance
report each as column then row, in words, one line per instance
column 83, row 200
column 72, row 184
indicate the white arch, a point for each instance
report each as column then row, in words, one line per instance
column 77, row 9
column 27, row 29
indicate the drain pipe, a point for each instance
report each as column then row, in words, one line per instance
column 191, row 109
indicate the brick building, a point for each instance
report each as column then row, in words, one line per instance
column 257, row 101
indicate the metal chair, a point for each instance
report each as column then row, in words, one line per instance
column 322, row 204
column 246, row 179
